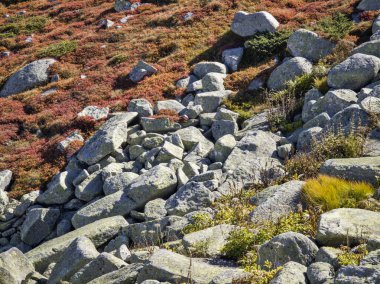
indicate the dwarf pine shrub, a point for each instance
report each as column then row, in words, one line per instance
column 21, row 25
column 57, row 50
column 336, row 26
column 329, row 193
column 265, row 46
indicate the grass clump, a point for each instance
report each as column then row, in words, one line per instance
column 265, row 46
column 331, row 146
column 20, row 25
column 58, row 49
column 329, row 193
column 118, row 59
column 336, row 27
column 352, row 257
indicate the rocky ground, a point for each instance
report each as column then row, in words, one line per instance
column 181, row 191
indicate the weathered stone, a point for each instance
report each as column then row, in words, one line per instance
column 286, row 247
column 232, row 57
column 223, row 148
column 221, row 128
column 172, row 105
column 357, row 275
column 107, row 139
column 14, row 267
column 59, row 190
column 5, row 179
column 98, row 232
column 90, row 188
column 203, row 68
column 118, row 182
column 277, row 201
column 210, row 101
column 336, row 100
column 329, row 255
column 354, row 73
column 358, row 169
column 213, row 82
column 376, row 25
column 245, row 24
column 141, row 70
column 155, row 209
column 308, row 137
column 348, row 120
column 370, row 48
column 291, row 273
column 371, row 259
column 80, row 252
column 371, row 105
column 103, row 264
column 288, row 71
column 159, row 125
column 339, row 226
column 320, row 273
column 168, row 152
column 211, row 239
column 39, row 223
column 141, row 106
column 73, row 137
column 30, row 76
column 125, row 275
column 321, row 120
column 307, row 44
column 368, row 5
column 168, row 266
column 96, row 113
column 192, row 196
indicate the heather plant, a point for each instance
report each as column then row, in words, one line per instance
column 57, row 50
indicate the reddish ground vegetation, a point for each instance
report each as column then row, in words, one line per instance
column 32, row 125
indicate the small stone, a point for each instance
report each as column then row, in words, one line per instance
column 96, row 113
column 245, row 24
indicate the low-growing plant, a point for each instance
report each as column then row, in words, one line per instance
column 22, row 25
column 262, row 47
column 331, row 146
column 329, row 193
column 58, row 49
column 199, row 222
column 118, row 59
column 337, row 26
column 352, row 257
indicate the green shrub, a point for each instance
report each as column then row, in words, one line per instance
column 331, row 146
column 329, row 193
column 265, row 46
column 199, row 222
column 22, row 25
column 349, row 257
column 118, row 59
column 336, row 27
column 58, row 49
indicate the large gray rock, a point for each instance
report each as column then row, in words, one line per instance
column 245, row 24
column 252, row 155
column 336, row 100
column 288, row 71
column 371, row 259
column 369, row 5
column 308, row 138
column 141, row 106
column 376, row 25
column 307, row 44
column 354, row 73
column 14, row 267
column 141, row 70
column 357, row 275
column 30, row 76
column 172, row 105
column 291, row 273
column 122, row 5
column 159, row 125
column 277, row 201
column 320, row 273
column 125, row 275
column 339, row 226
column 223, row 148
column 167, row 266
column 210, row 101
column 90, row 188
column 365, row 169
column 155, row 209
column 201, row 69
column 5, row 179
column 191, row 136
column 103, row 264
column 193, row 196
column 80, row 252
column 107, row 139
column 212, row 240
column 118, row 182
column 96, row 113
column 59, row 191
column 222, row 128
column 213, row 82
column 232, row 57
column 368, row 48
column 371, row 105
column 286, row 247
column 98, row 232
column 111, row 205
column 39, row 223
column 329, row 255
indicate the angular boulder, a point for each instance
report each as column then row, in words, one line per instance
column 232, row 57
column 141, row 106
column 107, row 139
column 14, row 267
column 354, row 73
column 210, row 101
column 125, row 275
column 246, row 24
column 30, row 76
column 201, row 69
column 291, row 273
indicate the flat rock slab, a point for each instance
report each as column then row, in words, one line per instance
column 365, row 169
column 355, row 225
column 107, row 139
column 125, row 275
column 14, row 267
column 98, row 232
